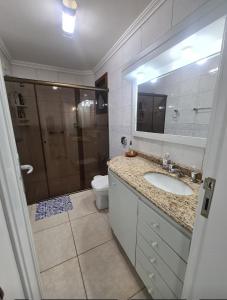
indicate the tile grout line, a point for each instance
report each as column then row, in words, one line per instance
column 65, row 222
column 140, row 290
column 34, row 232
column 95, row 247
column 78, row 258
column 76, row 218
column 64, row 261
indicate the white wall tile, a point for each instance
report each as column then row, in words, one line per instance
column 24, row 72
column 66, row 77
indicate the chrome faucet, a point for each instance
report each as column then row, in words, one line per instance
column 174, row 170
column 194, row 176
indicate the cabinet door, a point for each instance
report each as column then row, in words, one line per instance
column 123, row 215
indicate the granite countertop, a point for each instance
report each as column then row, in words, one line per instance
column 179, row 208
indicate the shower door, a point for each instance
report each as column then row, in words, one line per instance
column 62, row 132
column 24, row 113
column 59, row 127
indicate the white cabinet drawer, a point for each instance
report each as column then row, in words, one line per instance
column 152, row 276
column 166, row 273
column 176, row 264
column 151, row 288
column 173, row 237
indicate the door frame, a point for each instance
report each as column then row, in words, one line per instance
column 14, row 203
column 214, row 165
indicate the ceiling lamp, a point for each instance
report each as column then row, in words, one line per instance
column 69, row 16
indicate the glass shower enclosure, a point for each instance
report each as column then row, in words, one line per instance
column 61, row 131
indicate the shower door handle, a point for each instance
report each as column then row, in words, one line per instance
column 27, row 168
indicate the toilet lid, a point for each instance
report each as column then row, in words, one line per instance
column 100, row 182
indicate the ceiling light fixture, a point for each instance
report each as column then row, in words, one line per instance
column 69, row 16
column 187, row 53
column 54, row 87
column 154, row 80
column 202, row 61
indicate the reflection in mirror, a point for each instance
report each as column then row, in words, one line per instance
column 176, row 88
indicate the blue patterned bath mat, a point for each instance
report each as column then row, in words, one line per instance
column 52, row 207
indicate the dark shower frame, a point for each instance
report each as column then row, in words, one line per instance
column 76, row 88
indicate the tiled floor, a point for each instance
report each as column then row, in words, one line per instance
column 78, row 256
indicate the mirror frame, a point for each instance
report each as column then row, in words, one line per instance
column 177, row 139
column 174, row 36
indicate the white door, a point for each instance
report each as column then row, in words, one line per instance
column 10, row 281
column 206, row 276
column 20, row 249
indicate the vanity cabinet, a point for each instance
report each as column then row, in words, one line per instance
column 156, row 246
column 123, row 215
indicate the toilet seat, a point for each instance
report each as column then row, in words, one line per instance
column 100, row 183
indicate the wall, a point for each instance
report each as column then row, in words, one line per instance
column 50, row 73
column 168, row 15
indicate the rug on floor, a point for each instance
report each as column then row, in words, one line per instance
column 52, row 207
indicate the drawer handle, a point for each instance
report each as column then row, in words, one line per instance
column 155, row 225
column 151, row 275
column 152, row 260
column 154, row 244
column 150, row 291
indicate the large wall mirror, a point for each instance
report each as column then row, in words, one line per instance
column 175, row 89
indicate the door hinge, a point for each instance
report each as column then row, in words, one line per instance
column 209, row 185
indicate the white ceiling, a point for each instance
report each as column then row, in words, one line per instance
column 31, row 30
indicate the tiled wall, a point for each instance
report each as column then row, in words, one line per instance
column 189, row 87
column 120, row 95
column 51, row 75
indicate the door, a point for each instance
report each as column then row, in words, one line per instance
column 24, row 113
column 206, row 274
column 8, row 268
column 59, row 129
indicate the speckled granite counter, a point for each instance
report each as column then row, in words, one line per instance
column 180, row 208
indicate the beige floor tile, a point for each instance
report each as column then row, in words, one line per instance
column 142, row 295
column 83, row 204
column 63, row 281
column 90, row 231
column 54, row 245
column 107, row 273
column 46, row 222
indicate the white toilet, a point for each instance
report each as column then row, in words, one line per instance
column 100, row 185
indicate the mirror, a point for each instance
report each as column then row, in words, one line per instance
column 175, row 89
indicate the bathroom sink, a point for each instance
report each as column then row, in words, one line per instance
column 168, row 184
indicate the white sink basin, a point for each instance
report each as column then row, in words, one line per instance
column 168, row 184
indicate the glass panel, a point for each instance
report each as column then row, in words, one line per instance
column 93, row 121
column 58, row 119
column 23, row 107
column 62, row 133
